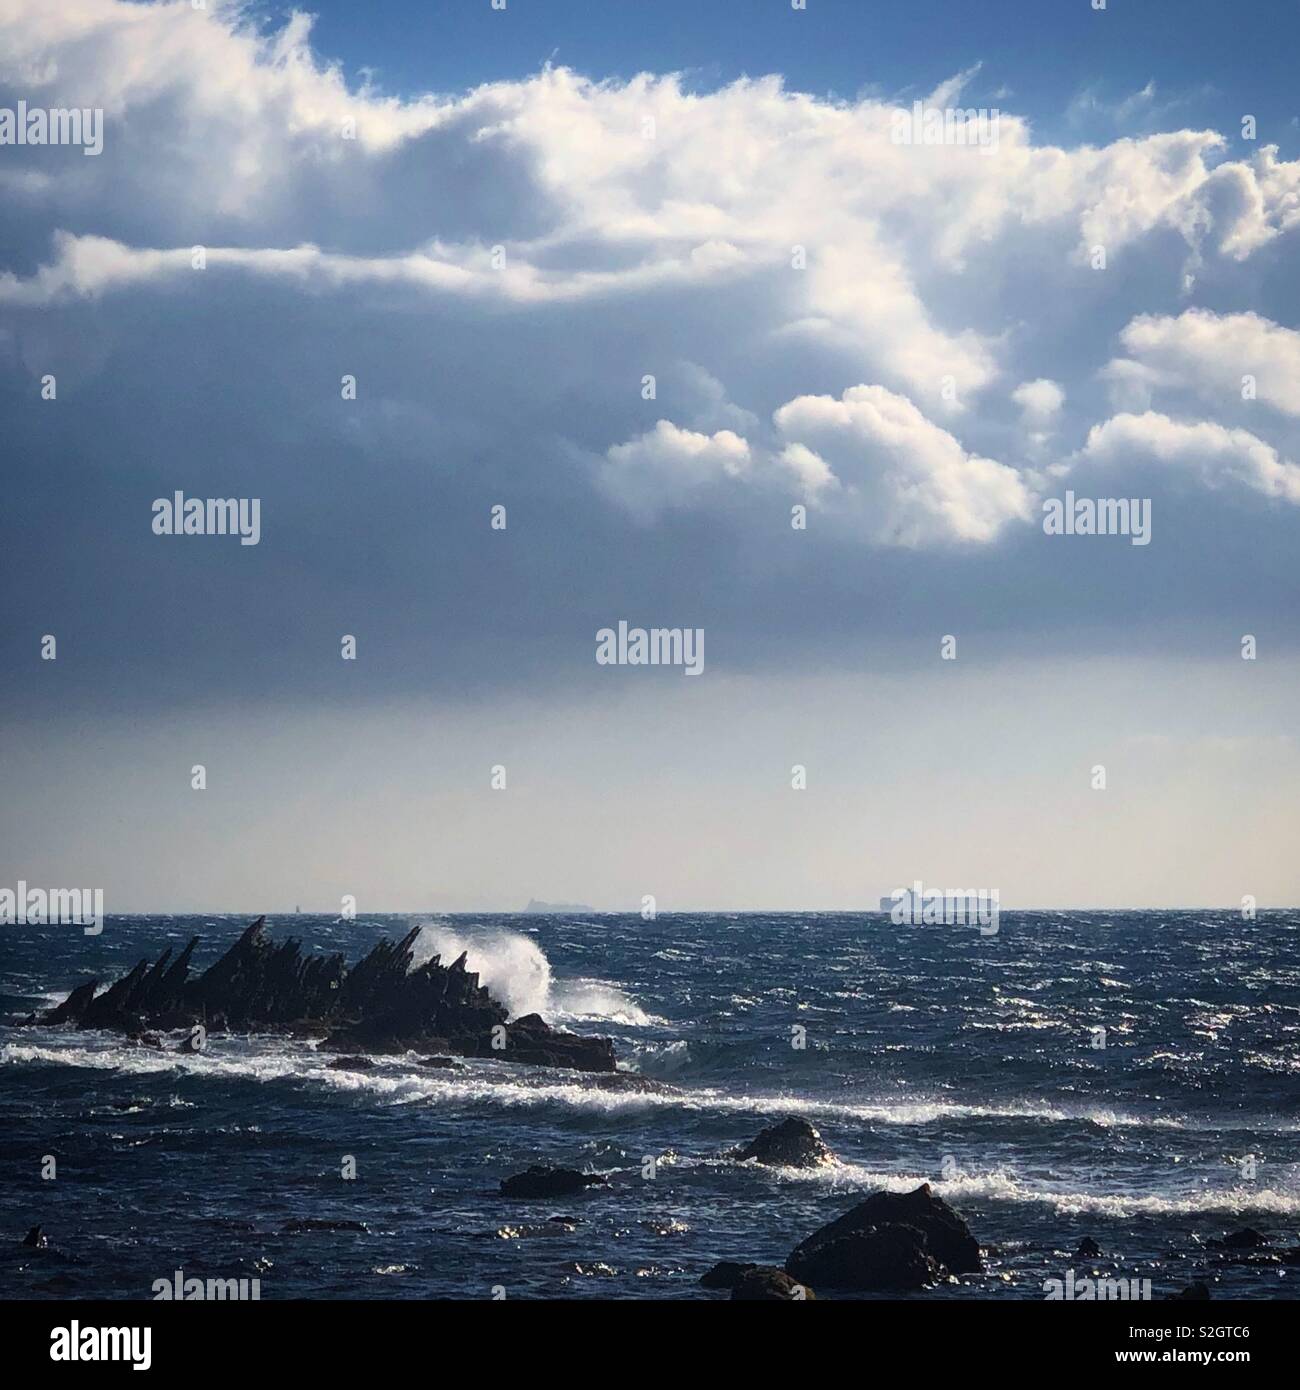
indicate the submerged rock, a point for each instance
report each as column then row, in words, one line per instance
column 314, row 1223
column 441, row 1063
column 1248, row 1238
column 765, row 1284
column 381, row 1004
column 543, row 1181
column 1192, row 1293
column 350, row 1063
column 726, row 1274
column 1088, row 1249
column 35, row 1239
column 891, row 1240
column 793, row 1143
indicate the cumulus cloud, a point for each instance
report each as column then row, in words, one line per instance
column 890, row 333
column 667, row 466
column 903, row 479
column 1211, row 354
column 1040, row 401
column 1202, row 450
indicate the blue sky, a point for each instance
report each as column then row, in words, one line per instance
column 919, row 347
column 1215, row 60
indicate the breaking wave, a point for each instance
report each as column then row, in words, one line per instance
column 517, row 973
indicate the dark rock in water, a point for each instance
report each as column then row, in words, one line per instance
column 1088, row 1249
column 794, row 1143
column 543, row 1181
column 1245, row 1239
column 350, row 1063
column 764, row 1284
column 313, row 1223
column 145, row 1040
column 380, row 1004
column 726, row 1274
column 870, row 1257
column 442, row 1063
column 35, row 1239
column 1192, row 1293
column 947, row 1241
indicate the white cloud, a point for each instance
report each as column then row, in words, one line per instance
column 903, row 479
column 1204, row 450
column 1040, row 401
column 668, row 466
column 747, row 245
column 1210, row 353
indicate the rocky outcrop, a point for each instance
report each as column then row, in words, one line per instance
column 1193, row 1293
column 793, row 1143
column 1088, row 1249
column 543, row 1181
column 1248, row 1238
column 726, row 1274
column 380, row 1004
column 898, row 1240
column 872, row 1257
column 764, row 1284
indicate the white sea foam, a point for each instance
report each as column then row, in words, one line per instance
column 499, row 1083
column 516, row 971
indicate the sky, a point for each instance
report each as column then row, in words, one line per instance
column 400, row 270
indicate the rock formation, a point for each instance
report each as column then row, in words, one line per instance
column 794, row 1143
column 380, row 1004
column 903, row 1240
column 542, row 1181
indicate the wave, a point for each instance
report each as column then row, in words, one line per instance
column 489, row 1082
column 480, row 1083
column 516, row 971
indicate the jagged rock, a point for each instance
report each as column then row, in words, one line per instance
column 1245, row 1239
column 870, row 1257
column 350, row 1063
column 543, row 1181
column 1192, row 1293
column 35, row 1239
column 441, row 1063
column 315, row 1223
column 764, row 1284
column 1088, row 1249
column 531, row 1039
column 946, row 1241
column 380, row 1004
column 726, row 1274
column 793, row 1143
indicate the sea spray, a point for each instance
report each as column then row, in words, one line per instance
column 516, row 971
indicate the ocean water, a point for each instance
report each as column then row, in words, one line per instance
column 930, row 1053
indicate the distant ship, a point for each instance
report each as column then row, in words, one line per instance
column 911, row 903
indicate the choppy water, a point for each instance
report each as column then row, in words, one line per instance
column 931, row 1053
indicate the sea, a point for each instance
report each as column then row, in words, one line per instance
column 1132, row 1077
